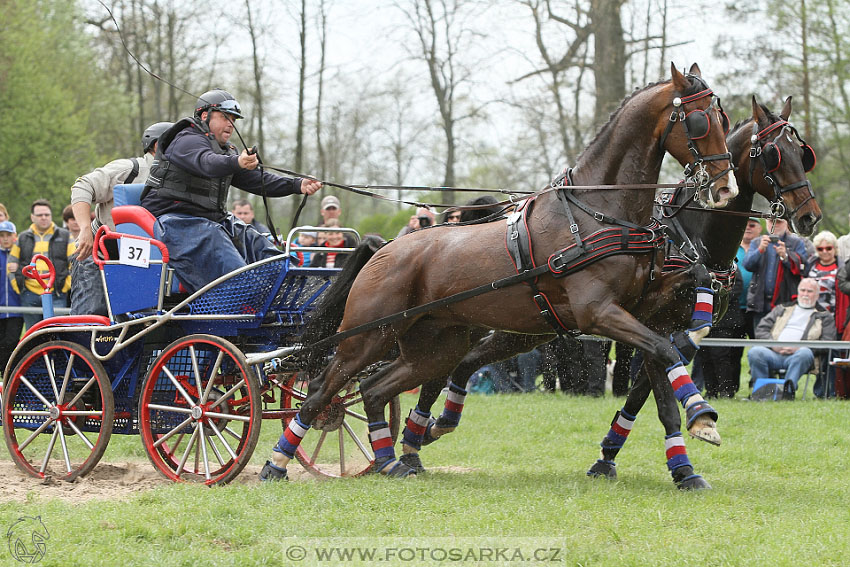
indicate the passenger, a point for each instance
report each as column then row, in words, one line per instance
column 95, row 188
column 187, row 191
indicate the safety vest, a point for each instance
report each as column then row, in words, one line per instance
column 57, row 251
column 172, row 182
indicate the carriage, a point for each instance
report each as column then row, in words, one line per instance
column 193, row 374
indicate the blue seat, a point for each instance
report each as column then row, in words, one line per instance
column 128, row 194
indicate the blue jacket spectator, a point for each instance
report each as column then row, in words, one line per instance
column 11, row 324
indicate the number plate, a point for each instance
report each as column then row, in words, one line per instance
column 133, row 252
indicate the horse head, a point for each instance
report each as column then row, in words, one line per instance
column 700, row 143
column 781, row 158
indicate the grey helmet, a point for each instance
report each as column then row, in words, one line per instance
column 220, row 100
column 152, row 134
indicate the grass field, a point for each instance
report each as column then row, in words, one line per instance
column 512, row 477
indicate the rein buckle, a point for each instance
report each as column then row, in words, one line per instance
column 574, row 228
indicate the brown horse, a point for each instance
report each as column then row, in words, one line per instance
column 754, row 144
column 438, row 262
column 715, row 239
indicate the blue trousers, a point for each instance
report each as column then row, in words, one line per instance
column 764, row 362
column 201, row 250
column 30, row 299
column 87, row 294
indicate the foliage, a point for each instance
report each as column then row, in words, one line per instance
column 779, row 481
column 58, row 105
column 385, row 224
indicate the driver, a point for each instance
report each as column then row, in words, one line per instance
column 187, row 187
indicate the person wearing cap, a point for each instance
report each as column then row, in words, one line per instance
column 11, row 324
column 306, row 239
column 331, row 210
column 194, row 167
column 95, row 188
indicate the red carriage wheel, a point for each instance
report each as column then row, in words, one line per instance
column 199, row 410
column 337, row 444
column 57, row 411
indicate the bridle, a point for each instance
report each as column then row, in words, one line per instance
column 697, row 125
column 767, row 152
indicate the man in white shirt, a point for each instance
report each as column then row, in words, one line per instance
column 805, row 320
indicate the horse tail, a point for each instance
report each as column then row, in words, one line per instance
column 328, row 314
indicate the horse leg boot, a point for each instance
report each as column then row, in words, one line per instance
column 621, row 426
column 352, row 356
column 415, row 366
column 678, row 464
column 701, row 417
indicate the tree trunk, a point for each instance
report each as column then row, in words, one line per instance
column 609, row 64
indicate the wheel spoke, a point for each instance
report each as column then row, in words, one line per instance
column 213, row 374
column 38, row 395
column 80, row 435
column 179, row 386
column 185, row 456
column 50, row 447
column 341, row 452
column 357, row 441
column 357, row 416
column 66, row 378
column 228, row 393
column 229, row 416
column 173, row 409
column 51, row 373
column 82, row 391
column 211, row 441
column 223, row 441
column 318, row 446
column 233, row 434
column 64, row 447
column 203, row 444
column 83, row 413
column 34, row 434
column 171, row 433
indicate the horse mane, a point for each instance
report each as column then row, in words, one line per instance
column 773, row 118
column 697, row 84
column 478, row 214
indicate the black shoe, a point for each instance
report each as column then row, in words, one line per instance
column 272, row 473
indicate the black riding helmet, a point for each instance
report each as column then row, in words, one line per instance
column 152, row 134
column 219, row 100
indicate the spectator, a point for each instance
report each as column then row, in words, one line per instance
column 331, row 210
column 243, row 210
column 451, row 216
column 424, row 217
column 70, row 222
column 752, row 232
column 95, row 188
column 187, row 190
column 803, row 320
column 776, row 261
column 306, row 239
column 844, row 248
column 4, row 214
column 42, row 237
column 11, row 324
column 333, row 239
column 824, row 267
column 720, row 367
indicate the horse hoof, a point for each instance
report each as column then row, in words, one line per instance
column 705, row 429
column 388, row 466
column 413, row 461
column 606, row 469
column 693, row 482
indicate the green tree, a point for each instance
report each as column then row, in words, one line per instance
column 57, row 103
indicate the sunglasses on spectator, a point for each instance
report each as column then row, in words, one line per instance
column 824, row 248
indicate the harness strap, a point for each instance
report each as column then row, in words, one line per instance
column 430, row 306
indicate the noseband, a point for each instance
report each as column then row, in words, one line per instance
column 696, row 175
column 760, row 149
